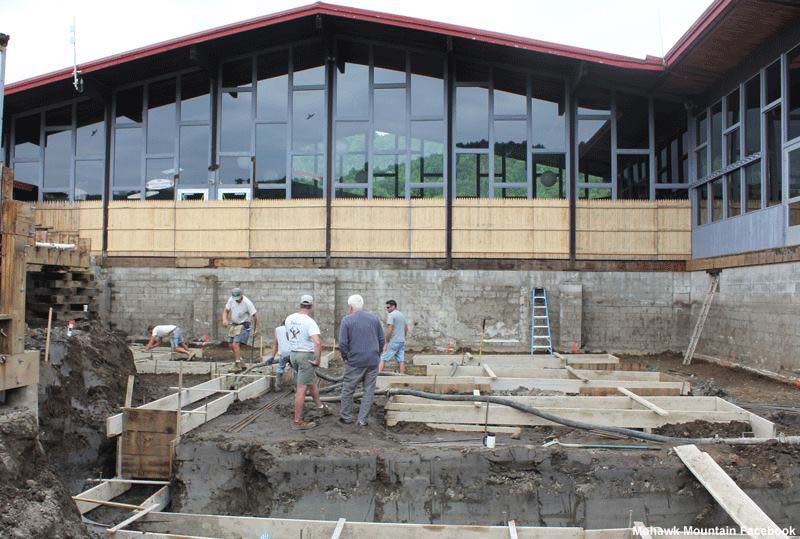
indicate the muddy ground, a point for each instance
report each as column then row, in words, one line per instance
column 411, row 473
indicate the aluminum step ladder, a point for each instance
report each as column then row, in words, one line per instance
column 701, row 319
column 540, row 322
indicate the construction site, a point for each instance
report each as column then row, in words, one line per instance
column 562, row 286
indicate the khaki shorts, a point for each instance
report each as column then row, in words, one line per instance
column 306, row 373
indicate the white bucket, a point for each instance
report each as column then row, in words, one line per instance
column 489, row 439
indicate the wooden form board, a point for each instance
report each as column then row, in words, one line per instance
column 146, row 366
column 554, row 373
column 19, row 370
column 218, row 526
column 105, row 491
column 743, row 510
column 609, row 411
column 465, row 385
column 16, row 233
column 147, row 443
column 538, row 361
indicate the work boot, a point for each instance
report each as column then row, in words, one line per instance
column 325, row 410
column 303, row 425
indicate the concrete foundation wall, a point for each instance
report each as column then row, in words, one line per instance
column 755, row 316
column 606, row 311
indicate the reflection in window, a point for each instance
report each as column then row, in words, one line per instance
column 752, row 179
column 773, row 155
column 194, row 146
column 702, row 204
column 127, row 194
column 549, row 120
column 472, row 175
column 716, row 137
column 390, row 119
column 793, row 61
column 794, row 214
column 733, row 148
column 633, row 123
column 90, row 137
column 160, row 179
column 128, row 157
column 752, row 115
column 510, row 93
column 271, row 154
column 129, row 106
column 593, row 193
column 427, row 152
column 55, row 196
column 27, row 173
column 701, row 128
column 671, row 144
column 472, row 117
column 57, row 159
column 427, row 85
column 308, row 64
column 161, row 117
column 308, row 173
column 390, row 65
column 308, row 121
column 773, row 82
column 352, row 80
column 672, row 194
column 350, row 165
column 794, row 174
column 273, row 86
column 510, row 151
column 549, row 172
column 732, row 108
column 26, row 137
column 235, row 122
column 716, row 193
column 89, row 180
column 734, row 194
column 702, row 163
column 633, row 177
column 389, row 176
column 235, row 170
column 195, row 97
column 594, row 151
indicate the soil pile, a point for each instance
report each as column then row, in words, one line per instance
column 83, row 383
column 34, row 500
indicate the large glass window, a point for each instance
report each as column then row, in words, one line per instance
column 632, row 122
column 272, row 86
column 161, row 117
column 472, row 113
column 793, row 99
column 352, row 80
column 794, row 174
column 671, row 144
column 195, row 97
column 90, row 139
column 734, row 193
column 633, row 176
column 752, row 178
column 472, row 175
column 594, row 151
column 772, row 82
column 549, row 172
column 89, row 180
column 128, row 157
column 702, row 204
column 57, row 159
column 773, row 153
column 752, row 115
column 427, row 86
column 716, row 193
column 548, row 116
column 194, row 146
column 716, row 137
column 27, row 133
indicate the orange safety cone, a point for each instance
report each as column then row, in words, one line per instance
column 574, row 348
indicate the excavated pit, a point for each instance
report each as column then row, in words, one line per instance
column 414, row 474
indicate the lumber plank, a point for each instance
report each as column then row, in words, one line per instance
column 107, row 503
column 132, row 519
column 727, row 493
column 489, row 372
column 337, row 532
column 582, row 361
column 434, row 384
column 512, row 529
column 212, row 410
column 555, row 373
column 143, row 420
column 19, row 370
column 460, row 427
column 476, row 393
column 644, row 402
column 575, row 373
column 253, row 390
column 129, row 391
column 695, row 404
column 146, row 466
column 105, row 491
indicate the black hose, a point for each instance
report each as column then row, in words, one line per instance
column 554, row 418
column 328, row 377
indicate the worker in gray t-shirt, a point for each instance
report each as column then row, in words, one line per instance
column 396, row 331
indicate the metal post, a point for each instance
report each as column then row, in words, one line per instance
column 449, row 183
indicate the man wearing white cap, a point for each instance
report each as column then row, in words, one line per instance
column 306, row 351
column 239, row 314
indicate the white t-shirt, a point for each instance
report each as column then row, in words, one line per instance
column 283, row 341
column 240, row 311
column 299, row 330
column 163, row 331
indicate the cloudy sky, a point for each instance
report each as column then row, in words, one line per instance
column 40, row 29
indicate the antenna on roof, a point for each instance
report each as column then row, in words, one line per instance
column 77, row 79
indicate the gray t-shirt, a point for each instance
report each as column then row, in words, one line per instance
column 398, row 322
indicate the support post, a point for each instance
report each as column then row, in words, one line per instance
column 330, row 60
column 449, row 190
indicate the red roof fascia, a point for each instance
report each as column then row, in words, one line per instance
column 691, row 37
column 320, row 8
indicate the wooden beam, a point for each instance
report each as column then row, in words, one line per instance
column 541, row 361
column 132, row 519
column 644, row 402
column 129, row 391
column 743, row 510
column 575, row 373
column 489, row 372
column 559, row 373
column 337, row 532
column 107, row 503
column 512, row 529
column 514, row 432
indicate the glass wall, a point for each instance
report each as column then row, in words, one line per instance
column 162, row 137
column 59, row 152
column 389, row 122
column 509, row 134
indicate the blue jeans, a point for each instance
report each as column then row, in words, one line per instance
column 282, row 365
column 176, row 338
column 395, row 350
column 244, row 336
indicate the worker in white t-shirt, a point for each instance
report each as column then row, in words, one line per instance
column 281, row 351
column 239, row 316
column 173, row 333
column 306, row 351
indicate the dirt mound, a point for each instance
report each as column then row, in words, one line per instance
column 704, row 429
column 83, row 383
column 34, row 500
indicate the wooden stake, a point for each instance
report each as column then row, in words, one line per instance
column 47, row 339
column 129, row 392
